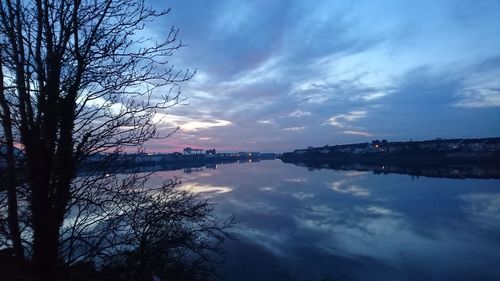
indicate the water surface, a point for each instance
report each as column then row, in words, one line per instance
column 297, row 224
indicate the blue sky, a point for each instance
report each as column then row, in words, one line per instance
column 280, row 75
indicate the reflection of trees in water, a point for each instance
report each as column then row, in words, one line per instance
column 133, row 230
column 119, row 228
column 458, row 170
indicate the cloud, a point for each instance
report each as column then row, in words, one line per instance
column 268, row 121
column 266, row 71
column 189, row 124
column 294, row 129
column 485, row 207
column 377, row 210
column 342, row 187
column 374, row 96
column 296, row 180
column 341, row 120
column 302, row 195
column 203, row 188
column 299, row 113
column 357, row 133
column 479, row 98
column 287, row 66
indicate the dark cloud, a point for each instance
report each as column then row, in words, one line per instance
column 424, row 106
column 276, row 73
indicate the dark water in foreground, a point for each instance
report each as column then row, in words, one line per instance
column 297, row 224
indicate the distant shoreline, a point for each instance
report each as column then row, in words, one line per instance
column 442, row 150
column 424, row 158
column 456, row 158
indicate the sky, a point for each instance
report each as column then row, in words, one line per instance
column 280, row 75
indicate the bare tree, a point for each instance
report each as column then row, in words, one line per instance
column 78, row 79
column 167, row 232
column 122, row 222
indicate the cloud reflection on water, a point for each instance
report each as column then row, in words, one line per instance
column 342, row 187
column 314, row 224
column 202, row 188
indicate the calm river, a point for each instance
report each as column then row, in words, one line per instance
column 297, row 224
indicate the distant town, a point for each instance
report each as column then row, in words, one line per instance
column 479, row 149
column 190, row 159
column 377, row 155
column 197, row 155
column 456, row 158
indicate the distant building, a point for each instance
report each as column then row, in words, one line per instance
column 156, row 158
column 300, row 151
column 492, row 145
column 484, row 148
column 192, row 151
column 324, row 151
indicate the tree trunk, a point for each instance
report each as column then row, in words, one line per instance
column 45, row 223
column 10, row 176
column 45, row 248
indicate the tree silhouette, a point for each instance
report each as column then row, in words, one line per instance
column 79, row 79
